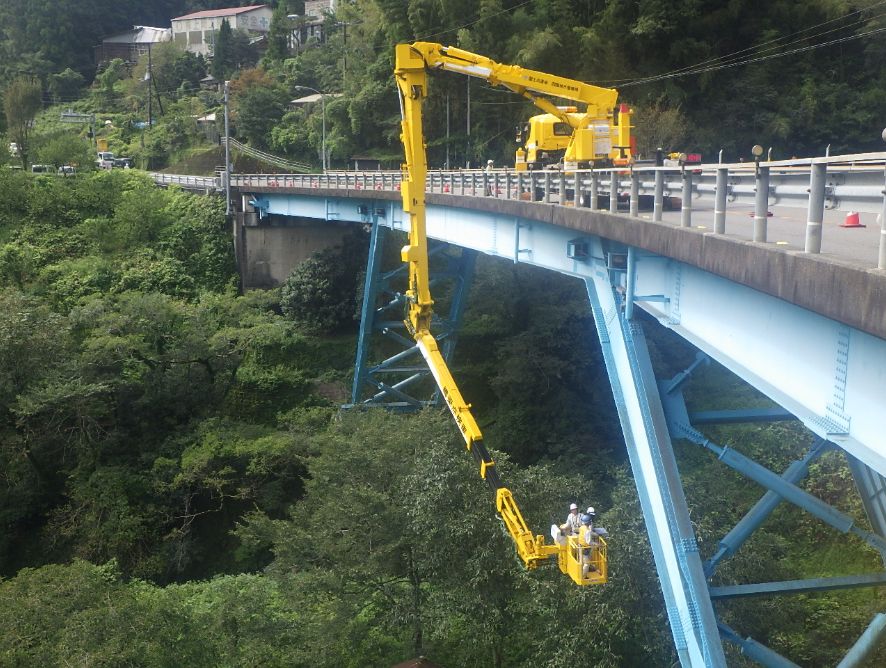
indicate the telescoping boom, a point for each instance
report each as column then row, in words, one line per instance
column 585, row 564
column 599, row 134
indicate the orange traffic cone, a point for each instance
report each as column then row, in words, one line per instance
column 852, row 220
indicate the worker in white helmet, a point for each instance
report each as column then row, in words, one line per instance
column 573, row 521
column 588, row 540
column 490, row 166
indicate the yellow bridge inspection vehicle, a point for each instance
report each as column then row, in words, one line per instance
column 585, row 564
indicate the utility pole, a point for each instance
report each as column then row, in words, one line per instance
column 227, row 153
column 447, row 130
column 149, row 78
column 156, row 90
column 468, row 147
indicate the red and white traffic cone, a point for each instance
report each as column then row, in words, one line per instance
column 852, row 220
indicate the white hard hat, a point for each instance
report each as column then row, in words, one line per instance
column 489, row 162
column 572, row 506
column 590, row 510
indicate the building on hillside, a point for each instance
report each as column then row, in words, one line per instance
column 130, row 45
column 308, row 29
column 196, row 32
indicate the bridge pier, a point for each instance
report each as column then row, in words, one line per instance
column 268, row 248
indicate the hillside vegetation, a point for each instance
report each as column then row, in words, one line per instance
column 701, row 76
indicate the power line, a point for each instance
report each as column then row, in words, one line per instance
column 748, row 61
column 466, row 25
column 732, row 59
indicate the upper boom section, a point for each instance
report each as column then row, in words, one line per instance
column 529, row 83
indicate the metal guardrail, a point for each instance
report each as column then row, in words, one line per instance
column 851, row 183
column 203, row 183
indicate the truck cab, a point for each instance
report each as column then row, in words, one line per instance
column 105, row 160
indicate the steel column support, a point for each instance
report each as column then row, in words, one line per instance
column 677, row 560
column 464, row 276
column 461, row 270
column 371, row 287
column 613, row 192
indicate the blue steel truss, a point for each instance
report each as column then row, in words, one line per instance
column 779, row 488
column 801, row 360
column 391, row 380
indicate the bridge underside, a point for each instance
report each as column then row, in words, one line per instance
column 827, row 374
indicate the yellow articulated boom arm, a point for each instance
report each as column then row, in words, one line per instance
column 411, row 75
column 528, row 83
column 599, row 102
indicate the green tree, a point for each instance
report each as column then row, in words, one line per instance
column 257, row 103
column 114, row 71
column 21, row 102
column 66, row 148
column 224, row 59
column 321, row 293
column 279, row 34
column 66, row 86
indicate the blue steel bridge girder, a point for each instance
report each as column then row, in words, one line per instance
column 390, row 379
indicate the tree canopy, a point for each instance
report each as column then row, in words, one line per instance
column 21, row 102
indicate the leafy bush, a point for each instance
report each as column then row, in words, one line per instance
column 321, row 293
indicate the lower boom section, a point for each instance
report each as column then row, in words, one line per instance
column 584, row 562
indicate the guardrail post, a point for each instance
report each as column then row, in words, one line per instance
column 658, row 197
column 815, row 214
column 635, row 193
column 720, row 200
column 613, row 192
column 547, row 196
column 576, row 189
column 686, row 198
column 595, row 195
column 761, row 203
column 881, row 264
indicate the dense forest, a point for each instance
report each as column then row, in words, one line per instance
column 179, row 485
column 701, row 76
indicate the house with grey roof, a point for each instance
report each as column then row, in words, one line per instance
column 197, row 31
column 129, row 46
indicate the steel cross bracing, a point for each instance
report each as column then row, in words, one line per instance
column 828, row 375
column 390, row 381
